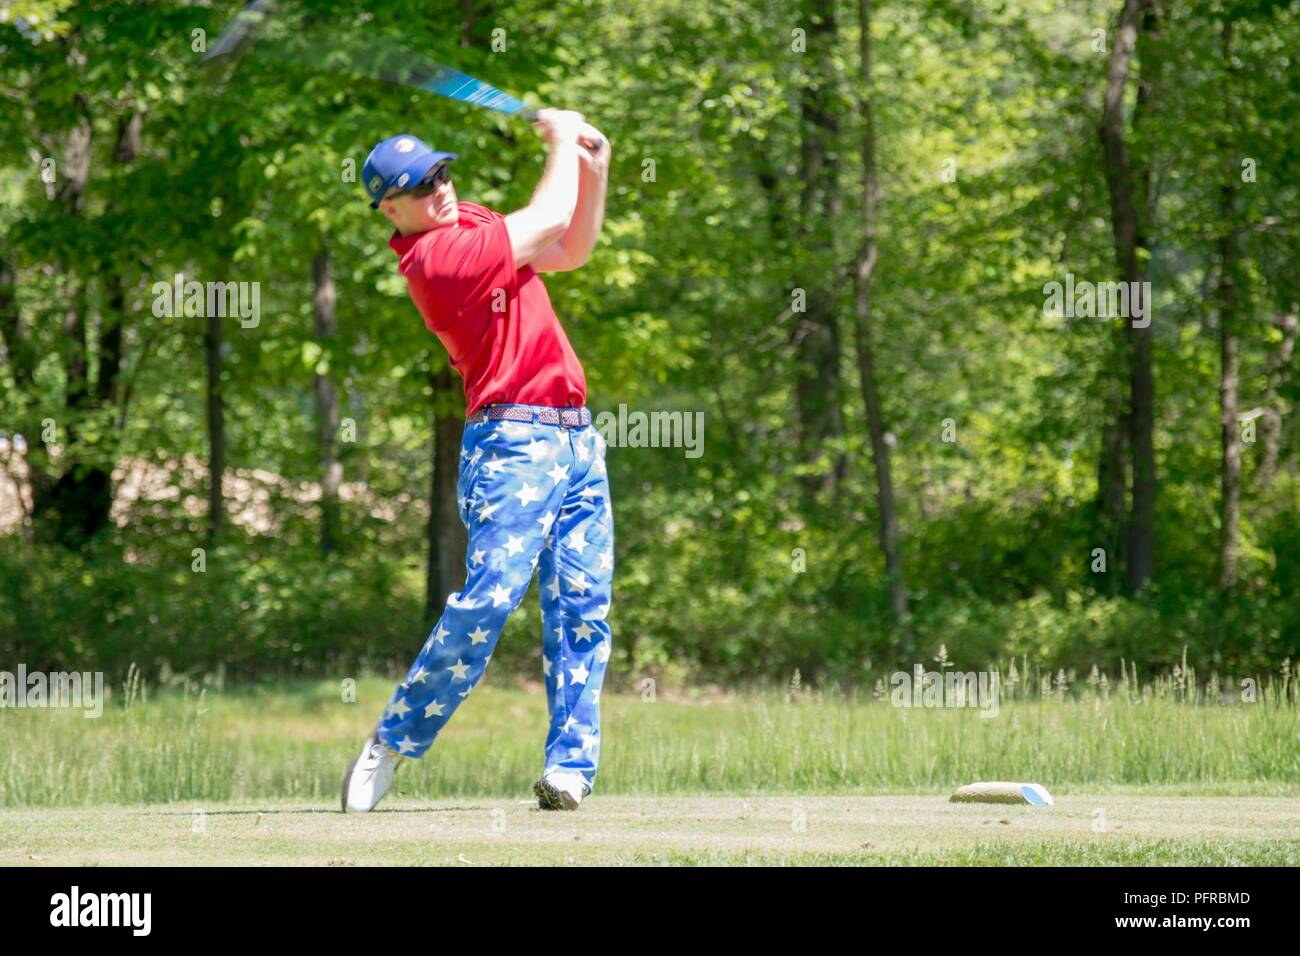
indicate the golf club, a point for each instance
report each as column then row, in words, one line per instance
column 373, row 58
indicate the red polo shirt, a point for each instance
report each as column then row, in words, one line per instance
column 495, row 321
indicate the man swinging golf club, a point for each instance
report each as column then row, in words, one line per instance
column 532, row 487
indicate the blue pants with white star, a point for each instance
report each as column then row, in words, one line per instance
column 532, row 495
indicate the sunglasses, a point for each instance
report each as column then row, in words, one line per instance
column 426, row 186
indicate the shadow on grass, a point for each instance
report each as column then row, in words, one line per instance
column 282, row 812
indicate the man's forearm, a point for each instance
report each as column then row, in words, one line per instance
column 539, row 226
column 588, row 217
column 557, row 191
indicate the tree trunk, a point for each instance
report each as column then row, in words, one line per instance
column 1127, row 213
column 112, row 331
column 18, row 350
column 71, row 196
column 1112, row 472
column 1230, row 471
column 212, row 342
column 448, row 538
column 862, row 330
column 815, row 332
column 18, row 355
column 74, row 171
column 327, row 405
column 73, row 506
column 1276, row 374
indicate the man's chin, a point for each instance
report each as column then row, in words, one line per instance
column 439, row 218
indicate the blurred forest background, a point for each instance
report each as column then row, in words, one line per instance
column 829, row 229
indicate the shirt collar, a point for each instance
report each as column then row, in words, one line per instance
column 402, row 244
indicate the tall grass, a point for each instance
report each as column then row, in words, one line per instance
column 201, row 741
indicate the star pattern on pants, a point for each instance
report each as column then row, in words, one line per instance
column 535, row 501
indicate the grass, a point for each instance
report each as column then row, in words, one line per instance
column 291, row 742
column 250, row 775
column 615, row 830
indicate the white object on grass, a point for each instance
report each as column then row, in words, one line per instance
column 1034, row 794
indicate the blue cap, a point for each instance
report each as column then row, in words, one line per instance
column 398, row 162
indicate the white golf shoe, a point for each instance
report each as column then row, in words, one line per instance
column 558, row 790
column 369, row 776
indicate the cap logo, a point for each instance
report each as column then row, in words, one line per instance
column 403, row 179
column 404, row 145
column 375, row 183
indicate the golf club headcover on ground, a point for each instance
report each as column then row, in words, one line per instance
column 1033, row 794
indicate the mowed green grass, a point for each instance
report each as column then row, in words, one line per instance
column 1080, row 829
column 251, row 774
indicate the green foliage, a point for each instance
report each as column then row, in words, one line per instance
column 252, row 610
column 685, row 305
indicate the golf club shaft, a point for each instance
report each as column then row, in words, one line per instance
column 366, row 57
